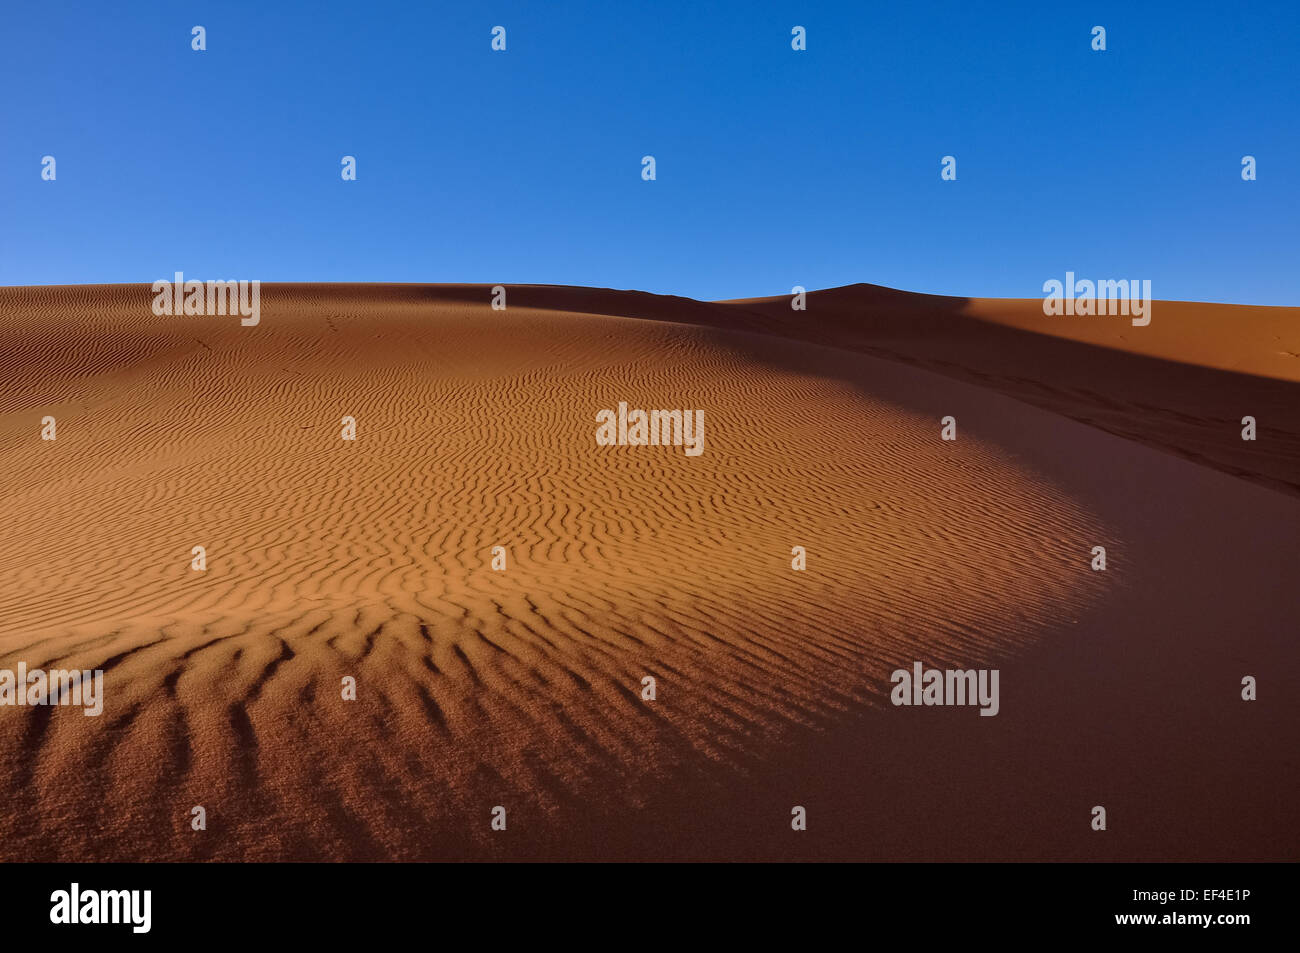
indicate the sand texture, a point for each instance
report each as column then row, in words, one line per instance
column 522, row 688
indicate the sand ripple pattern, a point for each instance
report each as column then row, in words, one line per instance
column 371, row 559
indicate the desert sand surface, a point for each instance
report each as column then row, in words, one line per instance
column 522, row 688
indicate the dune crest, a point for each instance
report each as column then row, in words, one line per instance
column 475, row 429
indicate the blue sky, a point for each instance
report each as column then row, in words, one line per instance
column 775, row 167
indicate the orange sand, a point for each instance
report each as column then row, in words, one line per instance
column 522, row 688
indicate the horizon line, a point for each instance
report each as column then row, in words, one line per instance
column 640, row 291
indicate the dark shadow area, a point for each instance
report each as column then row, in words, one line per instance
column 1189, row 410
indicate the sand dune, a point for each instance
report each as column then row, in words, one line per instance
column 522, row 688
column 1182, row 383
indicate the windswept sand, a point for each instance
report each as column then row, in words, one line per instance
column 522, row 688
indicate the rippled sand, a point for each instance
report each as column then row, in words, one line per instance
column 522, row 688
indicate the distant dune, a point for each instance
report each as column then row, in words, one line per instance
column 522, row 688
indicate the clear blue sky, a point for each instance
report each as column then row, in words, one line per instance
column 775, row 168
